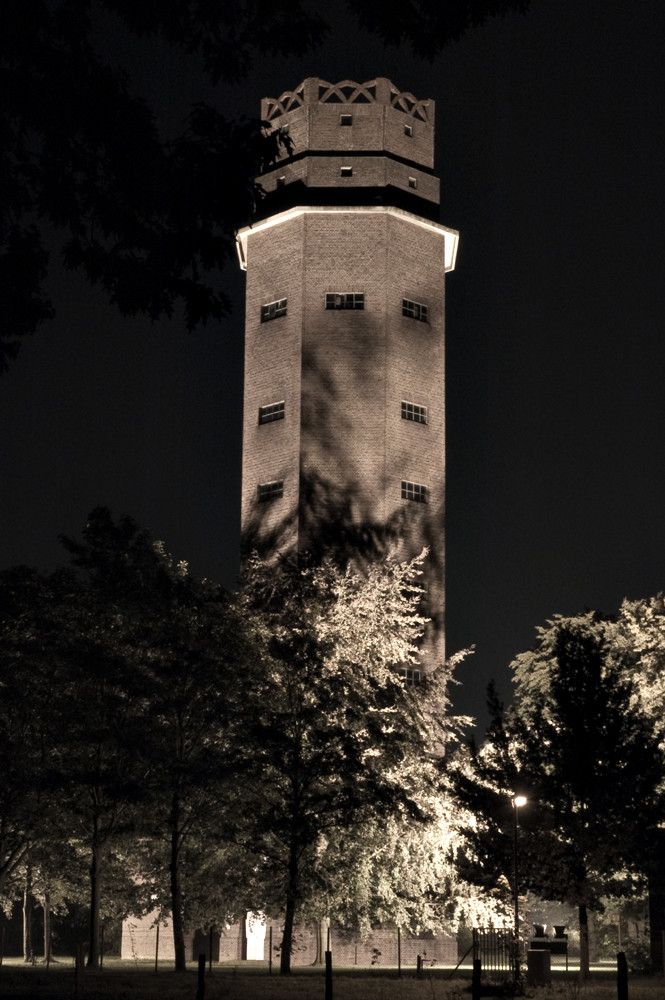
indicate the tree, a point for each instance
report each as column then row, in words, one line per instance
column 640, row 628
column 30, row 619
column 332, row 737
column 193, row 650
column 86, row 171
column 588, row 762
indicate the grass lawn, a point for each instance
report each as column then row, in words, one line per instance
column 138, row 981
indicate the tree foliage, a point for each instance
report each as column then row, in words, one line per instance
column 198, row 754
column 586, row 757
column 334, row 739
column 86, row 171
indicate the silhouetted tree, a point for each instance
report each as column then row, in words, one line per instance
column 84, row 166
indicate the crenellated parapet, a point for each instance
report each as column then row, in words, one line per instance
column 316, row 91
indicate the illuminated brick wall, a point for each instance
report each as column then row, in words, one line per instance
column 343, row 447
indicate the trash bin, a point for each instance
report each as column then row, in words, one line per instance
column 538, row 967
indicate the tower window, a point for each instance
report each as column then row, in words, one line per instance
column 412, row 411
column 281, row 181
column 415, row 310
column 271, row 491
column 274, row 411
column 409, row 675
column 346, row 119
column 272, row 310
column 408, row 130
column 346, row 172
column 414, row 491
column 413, row 183
column 345, row 300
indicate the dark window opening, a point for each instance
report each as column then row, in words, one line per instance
column 272, row 310
column 410, row 676
column 271, row 491
column 412, row 411
column 414, row 491
column 274, row 411
column 346, row 119
column 415, row 310
column 345, row 300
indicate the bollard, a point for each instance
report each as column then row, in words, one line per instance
column 419, row 967
column 475, row 980
column 329, row 988
column 201, row 988
column 78, row 971
column 622, row 976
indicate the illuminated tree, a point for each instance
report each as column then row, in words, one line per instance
column 332, row 737
column 588, row 762
column 640, row 628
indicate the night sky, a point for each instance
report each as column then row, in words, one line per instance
column 550, row 149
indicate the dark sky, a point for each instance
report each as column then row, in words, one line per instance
column 550, row 150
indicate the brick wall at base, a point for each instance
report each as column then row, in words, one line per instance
column 348, row 948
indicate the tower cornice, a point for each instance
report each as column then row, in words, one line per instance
column 450, row 236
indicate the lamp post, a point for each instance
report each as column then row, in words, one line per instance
column 518, row 801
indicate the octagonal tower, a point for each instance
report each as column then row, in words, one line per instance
column 344, row 422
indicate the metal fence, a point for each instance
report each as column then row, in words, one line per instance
column 494, row 947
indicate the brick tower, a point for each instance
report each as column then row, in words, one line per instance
column 344, row 428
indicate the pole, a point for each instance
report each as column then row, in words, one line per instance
column 399, row 951
column 518, row 800
column 329, row 980
column 516, row 929
column 622, row 976
column 201, row 982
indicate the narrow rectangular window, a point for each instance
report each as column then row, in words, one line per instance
column 345, row 300
column 274, row 411
column 412, row 411
column 413, row 183
column 408, row 130
column 346, row 119
column 414, row 491
column 415, row 310
column 346, row 172
column 272, row 310
column 271, row 491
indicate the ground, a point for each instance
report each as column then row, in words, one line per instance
column 138, row 981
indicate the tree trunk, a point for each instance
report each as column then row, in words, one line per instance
column 28, row 918
column 48, row 954
column 657, row 902
column 95, row 900
column 176, row 891
column 289, row 916
column 584, row 942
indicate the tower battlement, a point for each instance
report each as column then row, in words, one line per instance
column 352, row 143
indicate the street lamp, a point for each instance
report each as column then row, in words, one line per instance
column 518, row 801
